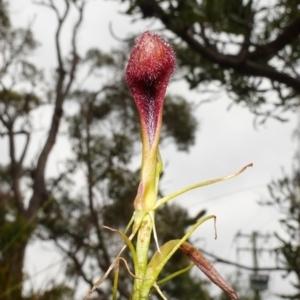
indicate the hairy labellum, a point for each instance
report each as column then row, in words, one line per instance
column 151, row 63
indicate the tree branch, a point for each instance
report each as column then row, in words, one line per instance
column 61, row 21
column 15, row 170
column 21, row 160
column 15, row 51
column 74, row 50
column 78, row 265
column 2, row 134
column 247, row 67
column 247, row 37
column 289, row 34
column 39, row 188
column 104, row 261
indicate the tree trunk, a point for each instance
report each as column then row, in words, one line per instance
column 12, row 253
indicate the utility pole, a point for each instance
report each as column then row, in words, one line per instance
column 258, row 282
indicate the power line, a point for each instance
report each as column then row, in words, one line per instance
column 217, row 197
column 218, row 259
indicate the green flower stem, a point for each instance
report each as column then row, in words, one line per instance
column 142, row 248
column 116, row 278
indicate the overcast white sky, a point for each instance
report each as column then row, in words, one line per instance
column 226, row 142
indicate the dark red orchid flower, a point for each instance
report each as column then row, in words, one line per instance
column 150, row 66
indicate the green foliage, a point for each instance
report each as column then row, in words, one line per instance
column 14, row 234
column 60, row 291
column 20, row 104
column 97, row 59
column 225, row 16
column 4, row 18
column 179, row 122
column 285, row 197
column 249, row 48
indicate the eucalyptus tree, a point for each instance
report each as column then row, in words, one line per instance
column 24, row 187
column 284, row 196
column 101, row 125
column 250, row 49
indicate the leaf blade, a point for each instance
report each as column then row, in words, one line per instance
column 207, row 268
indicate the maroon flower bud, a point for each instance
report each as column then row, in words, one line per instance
column 151, row 63
column 150, row 66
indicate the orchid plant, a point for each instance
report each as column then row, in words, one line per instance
column 151, row 64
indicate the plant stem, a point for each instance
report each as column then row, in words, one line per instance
column 142, row 248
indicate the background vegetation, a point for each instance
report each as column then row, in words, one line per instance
column 250, row 49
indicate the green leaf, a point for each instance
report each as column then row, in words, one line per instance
column 175, row 274
column 198, row 185
column 161, row 257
